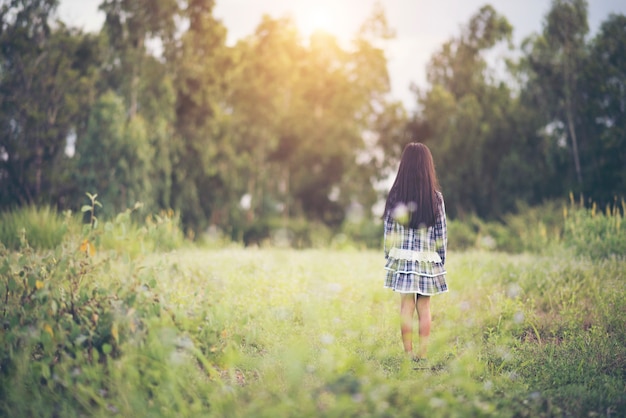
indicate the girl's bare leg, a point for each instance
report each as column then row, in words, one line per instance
column 407, row 308
column 423, row 313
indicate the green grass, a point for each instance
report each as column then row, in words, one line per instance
column 278, row 332
column 41, row 228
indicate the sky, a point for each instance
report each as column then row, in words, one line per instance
column 421, row 26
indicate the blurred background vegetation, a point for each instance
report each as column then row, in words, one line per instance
column 285, row 140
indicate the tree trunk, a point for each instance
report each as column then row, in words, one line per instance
column 38, row 164
column 570, row 86
column 572, row 133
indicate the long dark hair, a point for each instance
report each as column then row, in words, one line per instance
column 416, row 187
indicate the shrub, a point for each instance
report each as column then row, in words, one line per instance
column 534, row 228
column 292, row 233
column 83, row 334
column 461, row 235
column 367, row 233
column 531, row 229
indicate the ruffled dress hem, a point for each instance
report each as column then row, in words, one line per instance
column 414, row 291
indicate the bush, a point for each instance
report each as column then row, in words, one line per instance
column 531, row 229
column 534, row 228
column 364, row 233
column 291, row 233
column 84, row 335
column 461, row 235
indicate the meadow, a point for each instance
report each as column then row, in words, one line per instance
column 129, row 321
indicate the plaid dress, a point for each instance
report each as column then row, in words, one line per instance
column 416, row 257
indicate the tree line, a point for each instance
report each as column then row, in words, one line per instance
column 157, row 108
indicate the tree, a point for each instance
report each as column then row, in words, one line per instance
column 114, row 157
column 128, row 25
column 465, row 116
column 46, row 82
column 556, row 59
column 203, row 157
column 301, row 112
column 603, row 82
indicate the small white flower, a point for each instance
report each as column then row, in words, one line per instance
column 401, row 213
column 327, row 339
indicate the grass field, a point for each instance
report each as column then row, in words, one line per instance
column 314, row 332
column 277, row 332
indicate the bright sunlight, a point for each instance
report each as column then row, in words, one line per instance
column 322, row 19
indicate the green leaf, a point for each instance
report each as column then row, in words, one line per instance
column 80, row 339
column 5, row 267
column 85, row 208
column 106, row 348
column 45, row 371
column 22, row 261
column 32, row 280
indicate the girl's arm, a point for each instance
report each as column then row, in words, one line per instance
column 441, row 233
column 387, row 226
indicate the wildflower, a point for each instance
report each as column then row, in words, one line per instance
column 87, row 248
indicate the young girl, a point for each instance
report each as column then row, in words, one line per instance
column 415, row 242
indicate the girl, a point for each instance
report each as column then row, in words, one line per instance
column 415, row 242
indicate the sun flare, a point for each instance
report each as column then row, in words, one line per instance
column 318, row 20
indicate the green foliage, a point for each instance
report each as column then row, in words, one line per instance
column 129, row 237
column 301, row 112
column 464, row 114
column 47, row 81
column 41, row 228
column 74, row 323
column 605, row 70
column 175, row 335
column 302, row 234
column 530, row 229
column 555, row 61
column 287, row 233
column 572, row 356
column 536, row 228
column 73, row 328
column 462, row 235
column 123, row 178
column 361, row 233
column 303, row 127
column 595, row 234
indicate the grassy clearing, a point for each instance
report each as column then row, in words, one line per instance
column 313, row 332
column 240, row 332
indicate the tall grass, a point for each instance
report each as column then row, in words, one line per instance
column 595, row 233
column 41, row 228
column 590, row 232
